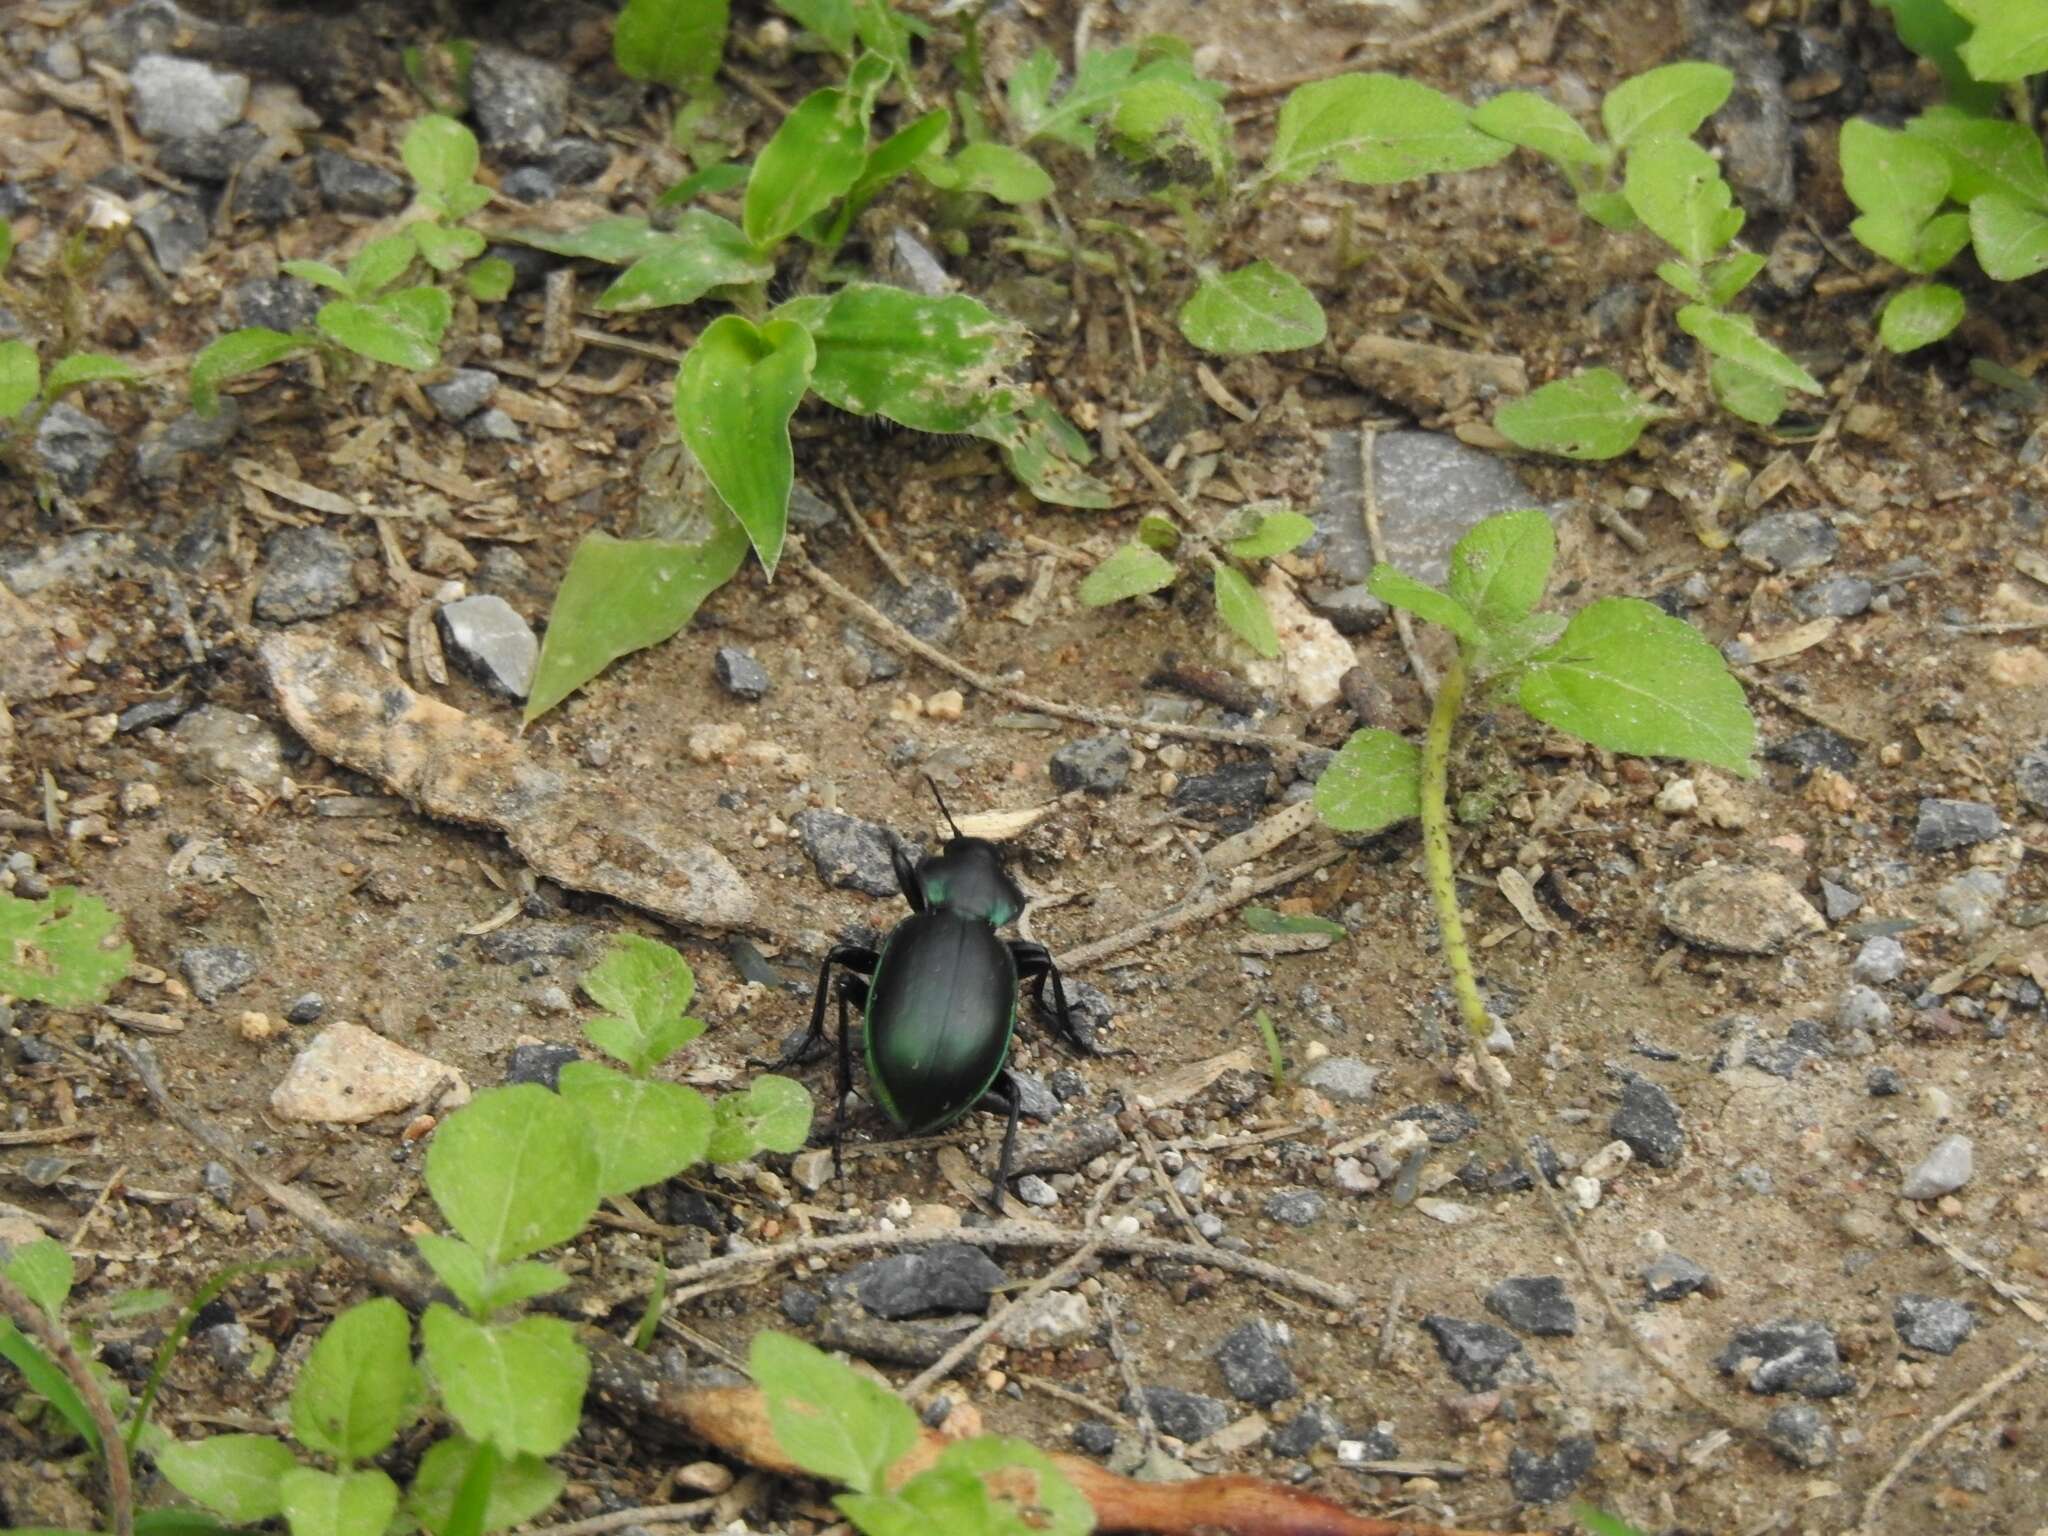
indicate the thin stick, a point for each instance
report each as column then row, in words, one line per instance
column 47, row 1136
column 1147, row 1430
column 1194, row 912
column 1384, row 1351
column 868, row 536
column 1941, row 1426
column 1384, row 53
column 1369, row 509
column 898, row 638
column 32, row 1319
column 619, row 1519
column 1073, row 1399
column 1151, row 1150
column 942, row 1367
column 1981, row 1270
column 99, row 1202
column 1012, row 1234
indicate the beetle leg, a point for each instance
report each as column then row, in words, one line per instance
column 853, row 991
column 1012, row 1109
column 856, row 958
column 1034, row 964
column 907, row 880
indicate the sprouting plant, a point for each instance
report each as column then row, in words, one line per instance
column 1259, row 532
column 847, row 1429
column 1276, row 1060
column 26, row 391
column 64, row 950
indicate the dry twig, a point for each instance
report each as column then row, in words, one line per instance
column 619, row 1519
column 1194, row 912
column 942, row 1367
column 1874, row 1500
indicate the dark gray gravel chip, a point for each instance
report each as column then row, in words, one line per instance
column 1798, row 1433
column 309, row 573
column 1232, row 790
column 1672, row 1277
column 519, row 102
column 1648, row 1119
column 1254, row 1365
column 532, row 941
column 947, row 1277
column 215, row 970
column 355, row 186
column 1546, row 1479
column 849, row 853
column 210, row 156
column 1947, row 824
column 1814, row 747
column 1479, row 1356
column 1098, row 764
column 540, row 1064
column 1790, row 541
column 1295, row 1207
column 1314, row 1426
column 739, row 674
column 1935, row 1324
column 1535, row 1304
column 1187, row 1416
column 1789, row 1355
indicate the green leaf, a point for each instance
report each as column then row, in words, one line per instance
column 483, row 1289
column 1681, row 276
column 1499, row 569
column 616, row 242
column 648, row 987
column 1275, row 533
column 1610, row 210
column 57, row 950
column 513, row 1172
column 704, row 252
column 1158, row 531
column 831, row 21
column 1100, row 80
column 444, row 248
column 47, row 1379
column 235, row 1476
column 83, row 368
column 1746, row 393
column 6, row 244
column 20, row 378
column 2010, row 40
column 1590, row 414
column 995, row 170
column 1045, row 452
column 234, row 356
column 517, row 1385
column 1599, row 1522
column 1375, row 781
column 2010, row 237
column 645, row 1131
column 1921, row 248
column 813, row 160
column 1238, row 601
column 383, row 262
column 1917, row 316
column 1673, row 101
column 1401, row 591
column 1936, row 33
column 179, row 1520
column 676, row 43
column 523, row 1487
column 42, row 1270
column 318, row 273
column 1893, row 174
column 772, row 1114
column 145, row 1302
column 1507, row 647
column 356, row 1383
column 1376, row 129
column 403, row 329
column 1058, row 1508
column 921, row 140
column 338, row 1504
column 831, row 1421
column 720, row 177
column 1675, row 188
column 1734, row 338
column 490, row 279
column 1628, row 677
column 1986, row 154
column 1730, row 275
column 1131, row 571
column 1176, row 121
column 1257, row 308
column 440, row 155
column 930, row 364
column 735, row 392
column 1540, row 124
column 1266, row 920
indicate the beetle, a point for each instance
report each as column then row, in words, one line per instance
column 938, row 999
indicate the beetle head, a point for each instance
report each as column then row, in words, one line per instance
column 967, row 876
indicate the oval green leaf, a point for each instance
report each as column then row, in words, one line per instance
column 440, row 154
column 930, row 364
column 703, row 252
column 1591, row 415
column 353, row 1390
column 735, row 393
column 676, row 43
column 814, row 159
column 1540, row 124
column 1257, row 308
column 1130, row 572
column 1734, row 338
column 521, row 1487
column 1676, row 189
column 403, row 330
column 833, row 1422
column 645, row 1131
column 1399, row 590
column 83, row 368
column 1376, row 129
column 517, row 1385
column 513, row 1172
column 1238, row 601
column 20, row 378
column 235, row 1476
column 1375, row 781
column 772, row 1114
column 1918, row 316
column 236, row 355
column 337, row 1503
column 2010, row 237
column 1672, row 100
column 1275, row 533
column 1498, row 570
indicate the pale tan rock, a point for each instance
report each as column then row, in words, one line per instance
column 350, row 1074
column 2018, row 666
column 1739, row 910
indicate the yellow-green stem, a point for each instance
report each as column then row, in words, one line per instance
column 1436, row 847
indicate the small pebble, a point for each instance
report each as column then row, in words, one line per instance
column 1879, row 961
column 1941, row 1172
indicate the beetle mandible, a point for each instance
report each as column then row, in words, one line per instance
column 938, row 1000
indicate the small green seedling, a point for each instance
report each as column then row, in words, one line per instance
column 847, row 1429
column 26, row 392
column 1276, row 1061
column 1621, row 674
column 63, row 950
column 1259, row 532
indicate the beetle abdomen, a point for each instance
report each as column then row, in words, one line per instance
column 941, row 1009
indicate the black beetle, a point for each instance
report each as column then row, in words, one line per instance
column 938, row 1000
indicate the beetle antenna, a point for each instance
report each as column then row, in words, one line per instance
column 942, row 805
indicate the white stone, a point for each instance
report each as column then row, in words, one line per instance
column 1054, row 1320
column 1941, row 1172
column 350, row 1074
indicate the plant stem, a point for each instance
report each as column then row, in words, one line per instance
column 1436, row 848
column 55, row 1343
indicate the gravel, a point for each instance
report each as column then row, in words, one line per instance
column 491, row 642
column 309, row 573
column 1942, row 1171
column 1789, row 542
column 1295, row 1207
column 216, row 970
column 1099, row 764
column 463, row 393
column 1648, row 1119
column 1673, row 1277
column 947, row 1277
column 1880, row 961
column 1254, row 1364
column 355, row 186
column 1534, row 1304
column 739, row 674
column 1187, row 1416
column 539, row 1064
column 1936, row 1325
column 1949, row 824
column 849, row 853
column 1791, row 1355
column 519, row 103
column 174, row 98
column 72, row 447
column 1341, row 1079
column 1479, row 1356
column 1546, row 1479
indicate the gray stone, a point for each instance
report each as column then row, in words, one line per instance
column 572, row 160
column 519, row 103
column 1053, row 1321
column 277, row 303
column 148, row 26
column 1941, row 1172
column 928, row 608
column 1813, row 747
column 309, row 573
column 306, row 1008
column 1035, row 1101
column 502, row 568
column 540, row 1064
column 215, row 970
column 1947, row 824
column 463, row 393
column 1754, row 126
column 527, row 941
column 215, row 1179
column 528, row 184
column 161, row 457
column 1479, row 1356
column 801, row 1305
column 222, row 746
column 72, row 446
column 1546, row 1479
column 1883, row 1083
column 739, row 674
column 1790, row 542
column 1739, row 909
column 1294, row 1207
column 211, row 156
column 2030, row 777
column 808, row 511
column 1187, row 1416
column 1431, row 489
column 1862, row 1007
column 1351, row 608
column 1790, row 1355
column 62, row 61
column 1798, row 1433
column 1235, row 789
column 1341, row 1079
column 947, row 1277
column 905, row 261
column 1795, row 260
column 1836, row 597
column 492, row 642
column 1881, row 960
column 1971, row 901
column 1034, row 1191
column 356, row 186
column 1314, row 1426
column 1648, row 1119
column 1838, row 902
column 1089, row 1010
column 1095, row 1437
column 492, row 425
column 1535, row 1304
column 228, row 1345
column 1254, row 1368
column 175, row 98
column 849, row 853
column 1672, row 1276
column 176, row 233
column 269, row 195
column 150, row 712
column 1936, row 1325
column 1098, row 764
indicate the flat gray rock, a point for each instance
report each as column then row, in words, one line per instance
column 1739, row 910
